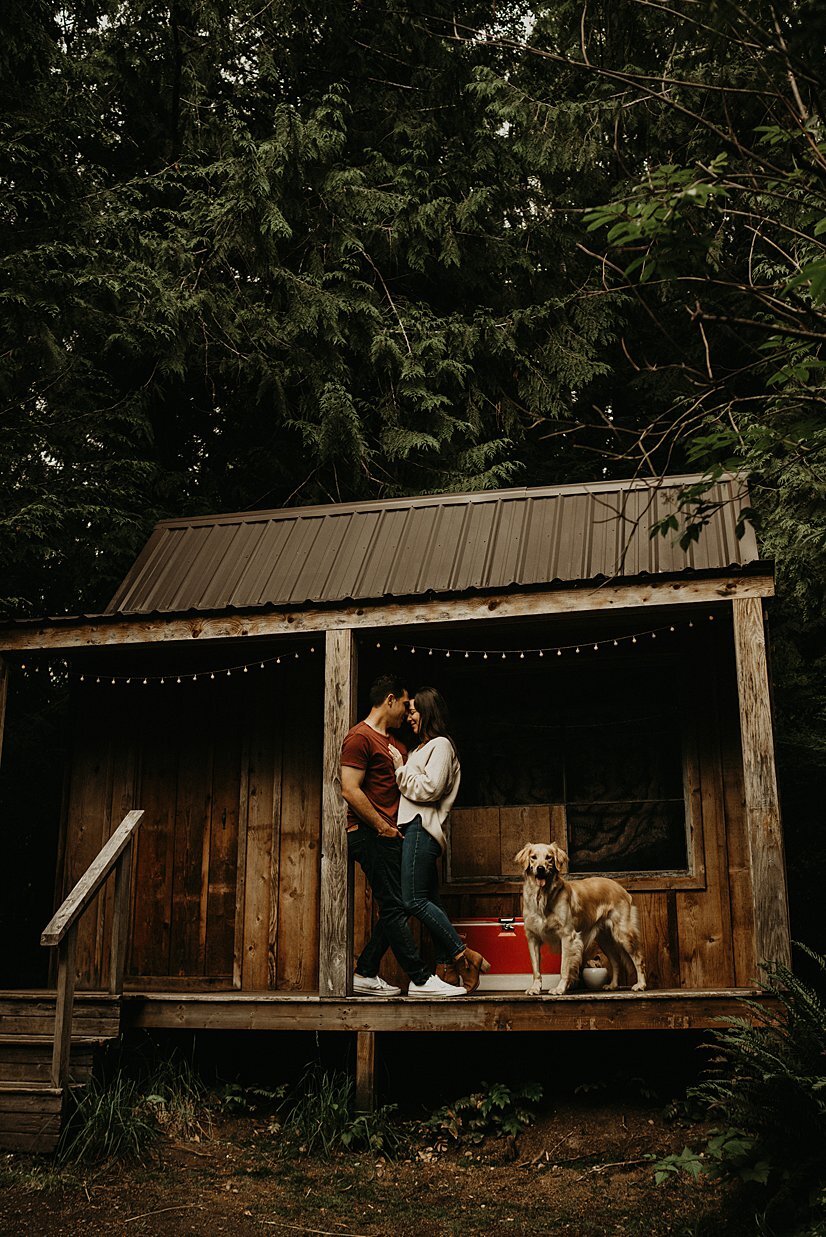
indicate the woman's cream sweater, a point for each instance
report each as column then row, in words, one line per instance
column 429, row 783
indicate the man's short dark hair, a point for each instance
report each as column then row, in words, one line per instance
column 386, row 685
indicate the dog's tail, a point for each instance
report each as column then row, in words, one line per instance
column 634, row 922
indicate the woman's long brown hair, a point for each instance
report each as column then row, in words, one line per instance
column 435, row 718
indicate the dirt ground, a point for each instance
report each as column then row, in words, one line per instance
column 583, row 1168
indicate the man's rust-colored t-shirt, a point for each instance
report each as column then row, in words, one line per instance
column 364, row 748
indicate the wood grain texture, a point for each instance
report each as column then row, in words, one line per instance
column 475, row 845
column 266, row 721
column 365, row 1071
column 762, row 807
column 107, row 631
column 658, row 926
column 518, row 825
column 662, row 1010
column 299, row 874
column 739, row 874
column 335, row 964
column 84, row 891
column 64, row 1006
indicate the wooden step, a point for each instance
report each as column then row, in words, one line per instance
column 28, row 1013
column 29, row 1058
column 30, row 1116
column 31, row 1109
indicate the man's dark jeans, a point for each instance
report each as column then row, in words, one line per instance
column 381, row 861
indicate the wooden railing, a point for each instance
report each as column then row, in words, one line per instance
column 61, row 933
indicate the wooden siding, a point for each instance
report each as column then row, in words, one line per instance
column 226, row 876
column 697, row 933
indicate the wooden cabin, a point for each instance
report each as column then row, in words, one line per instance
column 609, row 691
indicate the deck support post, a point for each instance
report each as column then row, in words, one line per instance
column 365, row 1071
column 335, row 956
column 762, row 804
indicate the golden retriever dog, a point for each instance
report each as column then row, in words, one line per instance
column 579, row 913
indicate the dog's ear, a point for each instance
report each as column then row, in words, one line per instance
column 560, row 858
column 522, row 857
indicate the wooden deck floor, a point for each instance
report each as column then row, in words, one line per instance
column 277, row 1011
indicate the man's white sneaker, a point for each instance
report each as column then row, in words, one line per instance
column 436, row 987
column 373, row 986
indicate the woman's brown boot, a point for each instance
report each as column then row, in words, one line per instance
column 448, row 972
column 469, row 966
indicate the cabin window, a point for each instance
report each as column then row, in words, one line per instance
column 591, row 752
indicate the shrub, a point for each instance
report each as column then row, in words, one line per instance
column 123, row 1115
column 767, row 1083
column 320, row 1120
column 496, row 1110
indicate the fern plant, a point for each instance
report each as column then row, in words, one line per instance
column 767, row 1085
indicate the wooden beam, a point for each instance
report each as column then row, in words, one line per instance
column 107, row 631
column 365, row 1071
column 762, row 805
column 629, row 1011
column 335, row 963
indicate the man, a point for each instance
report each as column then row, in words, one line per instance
column 368, row 784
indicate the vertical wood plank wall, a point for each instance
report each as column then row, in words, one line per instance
column 226, row 888
column 226, row 875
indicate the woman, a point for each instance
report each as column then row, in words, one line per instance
column 429, row 782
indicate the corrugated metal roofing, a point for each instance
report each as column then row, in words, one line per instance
column 407, row 547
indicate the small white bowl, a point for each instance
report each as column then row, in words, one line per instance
column 595, row 977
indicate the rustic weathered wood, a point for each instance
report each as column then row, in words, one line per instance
column 120, row 921
column 658, row 924
column 108, row 631
column 334, row 958
column 298, row 891
column 63, row 1009
column 659, row 1010
column 739, row 876
column 266, row 722
column 365, row 1071
column 518, row 825
column 704, row 919
column 241, row 864
column 221, row 905
column 92, row 879
column 475, row 847
column 762, row 807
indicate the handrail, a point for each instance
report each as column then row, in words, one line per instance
column 61, row 931
column 76, row 903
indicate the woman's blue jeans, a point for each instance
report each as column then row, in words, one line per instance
column 420, row 889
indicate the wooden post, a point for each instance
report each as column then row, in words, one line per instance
column 67, row 950
column 120, row 921
column 335, row 962
column 365, row 1071
column 762, row 806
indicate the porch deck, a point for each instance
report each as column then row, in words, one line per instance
column 663, row 1009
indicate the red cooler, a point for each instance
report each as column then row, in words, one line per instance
column 503, row 943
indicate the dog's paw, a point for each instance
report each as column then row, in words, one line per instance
column 640, row 987
column 534, row 990
column 559, row 990
column 612, row 987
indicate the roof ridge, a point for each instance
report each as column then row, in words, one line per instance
column 421, row 500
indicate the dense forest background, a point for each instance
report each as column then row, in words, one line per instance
column 257, row 253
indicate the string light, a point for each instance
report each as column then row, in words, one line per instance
column 465, row 653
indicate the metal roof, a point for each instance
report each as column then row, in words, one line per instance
column 445, row 544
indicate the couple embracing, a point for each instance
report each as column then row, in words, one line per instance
column 397, row 808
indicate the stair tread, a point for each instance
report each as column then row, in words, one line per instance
column 50, row 994
column 45, row 1039
column 29, row 1088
